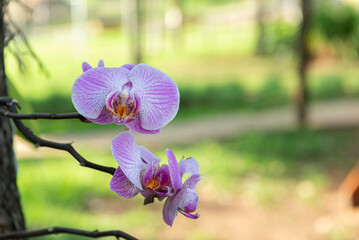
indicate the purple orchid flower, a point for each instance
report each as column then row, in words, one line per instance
column 185, row 199
column 139, row 172
column 141, row 97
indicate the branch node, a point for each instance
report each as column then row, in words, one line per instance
column 14, row 101
column 11, row 104
column 85, row 120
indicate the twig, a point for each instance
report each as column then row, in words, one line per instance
column 16, row 53
column 54, row 116
column 9, row 38
column 39, row 142
column 56, row 230
column 27, row 45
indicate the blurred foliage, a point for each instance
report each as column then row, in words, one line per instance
column 336, row 21
column 338, row 24
column 272, row 93
column 329, row 87
column 263, row 167
column 280, row 38
column 334, row 25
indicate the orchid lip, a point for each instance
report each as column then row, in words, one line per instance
column 162, row 194
column 123, row 105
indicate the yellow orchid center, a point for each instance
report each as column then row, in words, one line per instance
column 122, row 105
column 153, row 184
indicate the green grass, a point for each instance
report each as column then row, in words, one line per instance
column 264, row 167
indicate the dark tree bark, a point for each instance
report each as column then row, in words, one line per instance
column 304, row 55
column 11, row 216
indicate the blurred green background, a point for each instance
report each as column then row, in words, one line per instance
column 225, row 61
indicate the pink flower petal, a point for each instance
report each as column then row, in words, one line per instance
column 103, row 118
column 122, row 186
column 128, row 156
column 163, row 174
column 189, row 200
column 192, row 181
column 135, row 125
column 148, row 156
column 147, row 177
column 189, row 166
column 158, row 93
column 174, row 170
column 128, row 66
column 169, row 211
column 92, row 87
column 189, row 215
column 85, row 66
column 101, row 63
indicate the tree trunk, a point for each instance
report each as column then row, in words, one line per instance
column 304, row 55
column 138, row 31
column 11, row 216
column 260, row 50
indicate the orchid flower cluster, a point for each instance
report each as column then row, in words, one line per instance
column 145, row 100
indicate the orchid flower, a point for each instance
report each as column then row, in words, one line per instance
column 139, row 172
column 141, row 97
column 185, row 199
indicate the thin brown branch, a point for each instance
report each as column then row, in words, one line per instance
column 57, row 230
column 39, row 142
column 35, row 116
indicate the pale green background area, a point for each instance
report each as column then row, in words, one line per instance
column 266, row 169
